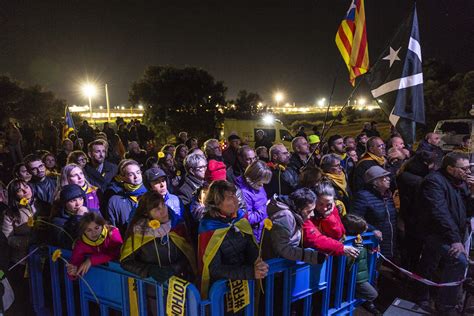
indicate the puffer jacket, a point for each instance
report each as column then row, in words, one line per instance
column 143, row 258
column 324, row 234
column 256, row 201
column 235, row 258
column 64, row 237
column 284, row 239
column 380, row 213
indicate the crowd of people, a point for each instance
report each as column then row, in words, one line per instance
column 108, row 195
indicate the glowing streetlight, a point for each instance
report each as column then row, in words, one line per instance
column 268, row 119
column 321, row 102
column 361, row 101
column 279, row 96
column 89, row 91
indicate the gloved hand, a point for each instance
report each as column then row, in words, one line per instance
column 160, row 275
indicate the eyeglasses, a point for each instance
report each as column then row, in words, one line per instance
column 465, row 169
column 38, row 168
column 381, row 146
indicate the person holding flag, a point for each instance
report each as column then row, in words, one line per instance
column 227, row 247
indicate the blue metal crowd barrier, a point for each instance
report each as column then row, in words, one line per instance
column 110, row 283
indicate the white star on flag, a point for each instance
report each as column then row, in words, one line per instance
column 392, row 56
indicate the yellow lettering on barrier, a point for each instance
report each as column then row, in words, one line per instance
column 176, row 299
column 239, row 293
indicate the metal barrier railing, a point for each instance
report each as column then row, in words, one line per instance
column 111, row 284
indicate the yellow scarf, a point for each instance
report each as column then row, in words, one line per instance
column 371, row 156
column 99, row 240
column 339, row 180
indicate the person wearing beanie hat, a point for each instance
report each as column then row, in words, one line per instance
column 68, row 215
column 230, row 153
column 155, row 180
column 375, row 204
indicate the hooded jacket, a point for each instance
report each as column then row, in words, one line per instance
column 284, row 239
column 256, row 201
column 324, row 234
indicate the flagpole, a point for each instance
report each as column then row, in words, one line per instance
column 330, row 98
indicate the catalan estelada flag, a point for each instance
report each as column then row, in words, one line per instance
column 211, row 235
column 68, row 124
column 351, row 40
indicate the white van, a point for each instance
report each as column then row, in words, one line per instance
column 452, row 132
column 246, row 129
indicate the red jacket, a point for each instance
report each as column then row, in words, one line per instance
column 109, row 250
column 324, row 234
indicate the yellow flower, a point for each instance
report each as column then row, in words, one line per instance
column 24, row 202
column 154, row 224
column 161, row 155
column 358, row 239
column 56, row 255
column 30, row 222
column 178, row 173
column 268, row 224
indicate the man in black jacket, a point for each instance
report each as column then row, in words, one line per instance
column 44, row 186
column 98, row 171
column 299, row 157
column 284, row 180
column 431, row 144
column 446, row 198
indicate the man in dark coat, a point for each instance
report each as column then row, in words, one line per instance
column 299, row 157
column 374, row 156
column 98, row 171
column 431, row 144
column 409, row 180
column 446, row 198
column 284, row 180
column 245, row 156
column 230, row 153
column 262, row 140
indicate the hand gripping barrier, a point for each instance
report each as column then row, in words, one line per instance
column 293, row 282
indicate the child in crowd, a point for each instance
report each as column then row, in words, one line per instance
column 98, row 243
column 355, row 226
column 66, row 217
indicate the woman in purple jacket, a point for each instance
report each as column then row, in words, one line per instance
column 251, row 184
column 73, row 174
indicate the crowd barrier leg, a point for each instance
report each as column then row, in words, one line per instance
column 36, row 284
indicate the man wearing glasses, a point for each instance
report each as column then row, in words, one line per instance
column 446, row 202
column 44, row 186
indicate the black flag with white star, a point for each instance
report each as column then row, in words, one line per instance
column 396, row 79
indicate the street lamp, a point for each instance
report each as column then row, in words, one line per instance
column 279, row 96
column 321, row 102
column 89, row 91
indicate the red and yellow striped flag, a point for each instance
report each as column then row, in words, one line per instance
column 351, row 40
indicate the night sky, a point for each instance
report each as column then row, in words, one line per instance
column 256, row 45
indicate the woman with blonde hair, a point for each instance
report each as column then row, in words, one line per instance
column 251, row 185
column 73, row 174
